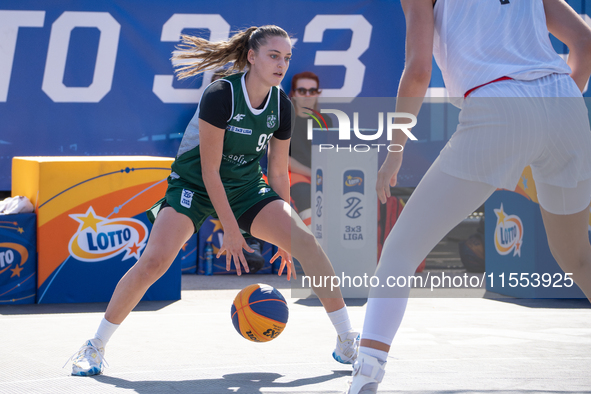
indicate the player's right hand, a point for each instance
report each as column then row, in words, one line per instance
column 232, row 245
column 387, row 175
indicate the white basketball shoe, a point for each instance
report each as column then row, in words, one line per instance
column 368, row 372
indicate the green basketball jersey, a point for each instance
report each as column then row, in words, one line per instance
column 246, row 136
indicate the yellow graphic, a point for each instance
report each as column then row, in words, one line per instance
column 217, row 225
column 16, row 271
column 353, row 181
column 88, row 220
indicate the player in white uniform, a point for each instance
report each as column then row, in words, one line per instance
column 521, row 105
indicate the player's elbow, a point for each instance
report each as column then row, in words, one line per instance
column 418, row 72
column 278, row 175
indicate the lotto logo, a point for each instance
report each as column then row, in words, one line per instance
column 100, row 238
column 508, row 233
column 186, row 198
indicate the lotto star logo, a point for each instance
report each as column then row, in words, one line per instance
column 99, row 238
column 508, row 233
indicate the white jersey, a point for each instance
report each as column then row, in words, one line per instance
column 478, row 41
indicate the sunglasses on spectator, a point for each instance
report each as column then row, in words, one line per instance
column 304, row 91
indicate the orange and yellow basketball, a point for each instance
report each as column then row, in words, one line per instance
column 259, row 313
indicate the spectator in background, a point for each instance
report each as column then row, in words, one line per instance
column 305, row 89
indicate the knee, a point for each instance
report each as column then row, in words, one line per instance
column 579, row 264
column 575, row 260
column 152, row 267
column 305, row 246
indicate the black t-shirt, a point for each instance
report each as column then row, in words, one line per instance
column 216, row 108
column 301, row 146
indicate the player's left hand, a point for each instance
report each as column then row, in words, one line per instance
column 285, row 261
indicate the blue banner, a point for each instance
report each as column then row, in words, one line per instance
column 18, row 258
column 95, row 78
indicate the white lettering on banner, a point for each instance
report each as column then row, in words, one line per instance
column 171, row 31
column 345, row 125
column 10, row 21
column 57, row 54
column 6, row 258
column 360, row 40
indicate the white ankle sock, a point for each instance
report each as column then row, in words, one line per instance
column 340, row 320
column 379, row 354
column 105, row 330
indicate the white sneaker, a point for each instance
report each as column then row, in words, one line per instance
column 347, row 347
column 89, row 359
column 368, row 372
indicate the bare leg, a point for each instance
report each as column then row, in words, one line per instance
column 171, row 230
column 569, row 243
column 278, row 224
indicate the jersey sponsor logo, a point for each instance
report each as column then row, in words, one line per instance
column 271, row 120
column 508, row 233
column 186, row 198
column 99, row 238
column 236, row 159
column 264, row 190
column 239, row 117
column 239, row 130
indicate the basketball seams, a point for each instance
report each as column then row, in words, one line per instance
column 246, row 295
column 254, row 332
column 258, row 314
column 266, row 317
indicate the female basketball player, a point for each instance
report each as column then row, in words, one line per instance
column 217, row 172
column 521, row 105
